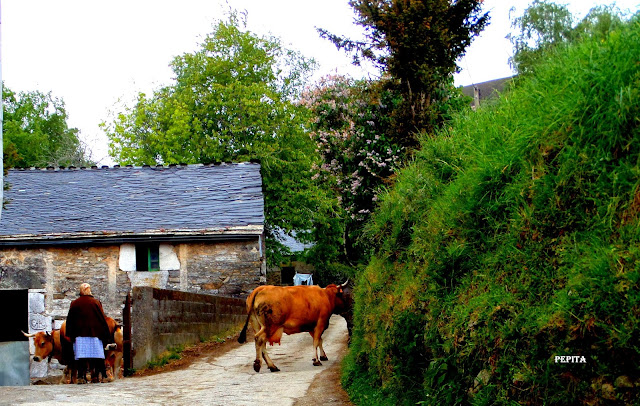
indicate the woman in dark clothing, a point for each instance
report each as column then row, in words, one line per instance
column 88, row 330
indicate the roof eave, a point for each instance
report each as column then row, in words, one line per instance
column 117, row 237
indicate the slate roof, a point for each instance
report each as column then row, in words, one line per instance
column 182, row 199
column 292, row 242
column 487, row 90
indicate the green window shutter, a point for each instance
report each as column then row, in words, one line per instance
column 154, row 257
column 147, row 257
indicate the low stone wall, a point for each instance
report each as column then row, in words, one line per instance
column 162, row 319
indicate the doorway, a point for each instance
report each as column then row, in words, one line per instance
column 14, row 346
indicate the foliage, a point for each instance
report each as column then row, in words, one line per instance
column 415, row 43
column 545, row 24
column 510, row 239
column 357, row 157
column 35, row 132
column 351, row 127
column 232, row 100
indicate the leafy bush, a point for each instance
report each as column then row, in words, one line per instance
column 513, row 238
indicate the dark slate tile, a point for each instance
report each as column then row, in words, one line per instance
column 133, row 199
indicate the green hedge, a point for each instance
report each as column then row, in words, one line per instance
column 513, row 238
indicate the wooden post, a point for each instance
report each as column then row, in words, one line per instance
column 126, row 321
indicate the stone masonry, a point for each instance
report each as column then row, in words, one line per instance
column 227, row 268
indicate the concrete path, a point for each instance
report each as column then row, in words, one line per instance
column 228, row 379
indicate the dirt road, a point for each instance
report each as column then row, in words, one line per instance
column 227, row 379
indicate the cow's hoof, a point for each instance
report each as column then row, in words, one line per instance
column 324, row 358
column 274, row 369
column 256, row 365
column 316, row 363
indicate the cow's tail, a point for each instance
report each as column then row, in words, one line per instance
column 243, row 334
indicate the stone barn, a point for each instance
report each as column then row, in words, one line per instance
column 193, row 228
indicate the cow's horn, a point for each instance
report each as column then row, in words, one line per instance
column 344, row 285
column 28, row 335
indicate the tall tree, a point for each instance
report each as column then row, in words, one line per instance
column 542, row 24
column 415, row 43
column 545, row 25
column 36, row 133
column 232, row 100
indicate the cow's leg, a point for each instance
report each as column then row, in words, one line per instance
column 258, row 331
column 265, row 355
column 101, row 369
column 261, row 339
column 261, row 351
column 323, row 355
column 65, row 376
column 272, row 367
column 261, row 348
column 317, row 342
column 117, row 366
column 315, row 360
column 109, row 366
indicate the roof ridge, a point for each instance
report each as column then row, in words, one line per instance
column 105, row 167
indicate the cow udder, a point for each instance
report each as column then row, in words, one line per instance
column 275, row 337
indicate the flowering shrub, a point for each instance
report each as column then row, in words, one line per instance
column 349, row 130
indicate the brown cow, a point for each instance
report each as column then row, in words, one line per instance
column 54, row 345
column 113, row 357
column 274, row 310
column 57, row 345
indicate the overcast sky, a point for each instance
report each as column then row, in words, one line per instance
column 91, row 53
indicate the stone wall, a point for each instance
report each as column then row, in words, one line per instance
column 162, row 319
column 39, row 320
column 22, row 269
column 60, row 270
column 96, row 265
column 228, row 268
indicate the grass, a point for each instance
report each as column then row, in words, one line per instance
column 173, row 353
column 514, row 237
